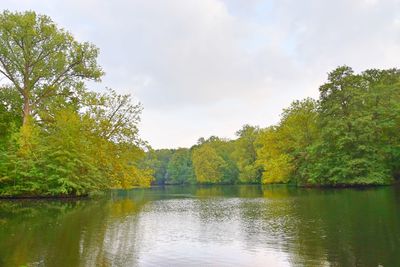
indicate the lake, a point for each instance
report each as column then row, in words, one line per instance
column 206, row 226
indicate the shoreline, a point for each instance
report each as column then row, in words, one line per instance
column 317, row 187
column 44, row 197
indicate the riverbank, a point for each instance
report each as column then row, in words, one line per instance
column 101, row 193
column 44, row 197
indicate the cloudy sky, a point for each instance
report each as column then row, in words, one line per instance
column 206, row 67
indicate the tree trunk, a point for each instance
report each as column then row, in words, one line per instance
column 27, row 109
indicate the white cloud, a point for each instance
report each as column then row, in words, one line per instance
column 206, row 67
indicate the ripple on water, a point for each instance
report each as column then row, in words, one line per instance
column 215, row 226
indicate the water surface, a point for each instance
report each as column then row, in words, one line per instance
column 206, row 226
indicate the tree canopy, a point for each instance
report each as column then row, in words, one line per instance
column 42, row 61
column 57, row 137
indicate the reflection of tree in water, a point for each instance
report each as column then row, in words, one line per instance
column 209, row 191
column 355, row 228
column 310, row 227
column 28, row 227
column 69, row 233
column 237, row 191
column 326, row 227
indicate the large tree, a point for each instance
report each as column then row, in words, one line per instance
column 41, row 60
column 359, row 125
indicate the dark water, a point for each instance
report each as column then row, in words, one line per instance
column 206, row 226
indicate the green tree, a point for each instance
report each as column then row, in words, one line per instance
column 359, row 116
column 72, row 141
column 42, row 61
column 180, row 167
column 74, row 154
column 158, row 160
column 10, row 114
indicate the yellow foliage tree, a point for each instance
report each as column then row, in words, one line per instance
column 208, row 165
column 282, row 148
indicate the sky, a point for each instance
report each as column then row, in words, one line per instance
column 207, row 67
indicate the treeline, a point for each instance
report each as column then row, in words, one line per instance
column 349, row 136
column 56, row 137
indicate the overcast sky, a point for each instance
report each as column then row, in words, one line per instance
column 207, row 67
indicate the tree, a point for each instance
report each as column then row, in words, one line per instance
column 76, row 154
column 224, row 149
column 115, row 116
column 111, row 120
column 359, row 119
column 208, row 165
column 277, row 165
column 42, row 61
column 158, row 160
column 72, row 141
column 245, row 154
column 180, row 167
column 10, row 113
column 283, row 149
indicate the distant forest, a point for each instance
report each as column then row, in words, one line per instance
column 348, row 137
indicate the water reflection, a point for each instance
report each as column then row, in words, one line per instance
column 209, row 225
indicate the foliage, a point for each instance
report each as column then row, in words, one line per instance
column 208, row 165
column 349, row 136
column 10, row 113
column 359, row 124
column 56, row 137
column 277, row 165
column 245, row 154
column 42, row 61
column 157, row 161
column 283, row 149
column 180, row 168
column 70, row 157
column 224, row 150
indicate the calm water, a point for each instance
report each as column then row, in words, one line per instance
column 206, row 226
